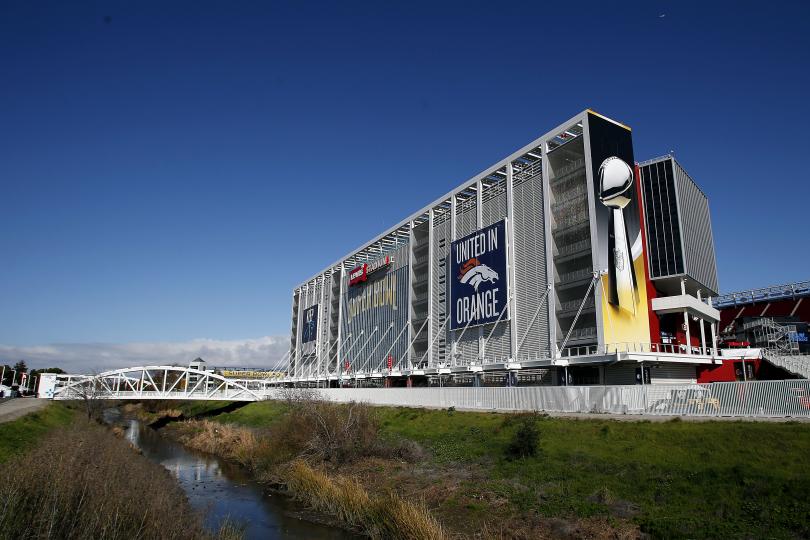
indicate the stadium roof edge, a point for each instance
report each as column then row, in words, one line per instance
column 752, row 296
column 580, row 117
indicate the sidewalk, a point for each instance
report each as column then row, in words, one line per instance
column 17, row 407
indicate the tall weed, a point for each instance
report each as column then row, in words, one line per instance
column 82, row 482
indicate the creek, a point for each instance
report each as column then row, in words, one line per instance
column 222, row 490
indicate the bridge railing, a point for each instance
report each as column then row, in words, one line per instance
column 153, row 382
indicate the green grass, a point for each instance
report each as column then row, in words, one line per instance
column 194, row 408
column 679, row 479
column 696, row 479
column 259, row 414
column 21, row 434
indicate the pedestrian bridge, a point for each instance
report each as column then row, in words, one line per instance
column 160, row 382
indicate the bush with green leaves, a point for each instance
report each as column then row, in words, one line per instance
column 525, row 439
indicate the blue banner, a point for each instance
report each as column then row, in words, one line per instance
column 309, row 324
column 478, row 283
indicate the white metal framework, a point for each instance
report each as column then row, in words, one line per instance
column 767, row 294
column 545, row 195
column 158, row 382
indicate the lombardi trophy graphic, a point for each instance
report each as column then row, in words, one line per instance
column 615, row 183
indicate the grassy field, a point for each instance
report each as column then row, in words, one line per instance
column 672, row 479
column 21, row 434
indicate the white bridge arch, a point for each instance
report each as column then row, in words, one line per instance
column 160, row 382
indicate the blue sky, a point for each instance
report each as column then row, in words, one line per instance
column 171, row 170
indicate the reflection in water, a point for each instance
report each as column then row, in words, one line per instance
column 222, row 490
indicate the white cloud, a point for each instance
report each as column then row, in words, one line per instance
column 263, row 352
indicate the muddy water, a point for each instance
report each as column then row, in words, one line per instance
column 222, row 490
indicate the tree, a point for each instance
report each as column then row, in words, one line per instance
column 49, row 370
column 38, row 372
column 89, row 391
column 20, row 367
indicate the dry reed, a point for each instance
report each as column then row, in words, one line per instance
column 385, row 516
column 231, row 442
column 83, row 483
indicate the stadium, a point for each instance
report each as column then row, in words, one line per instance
column 566, row 263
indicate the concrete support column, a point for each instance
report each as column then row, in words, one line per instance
column 447, row 306
column 431, row 292
column 713, row 327
column 341, row 293
column 411, row 296
column 479, row 220
column 510, row 258
column 702, row 329
column 322, row 326
column 686, row 322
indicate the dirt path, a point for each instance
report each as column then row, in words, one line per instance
column 17, row 407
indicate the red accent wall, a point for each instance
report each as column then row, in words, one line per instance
column 725, row 372
column 655, row 323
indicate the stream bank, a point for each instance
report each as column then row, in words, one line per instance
column 222, row 490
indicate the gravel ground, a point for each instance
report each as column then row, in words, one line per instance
column 17, row 407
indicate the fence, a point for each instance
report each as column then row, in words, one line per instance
column 774, row 399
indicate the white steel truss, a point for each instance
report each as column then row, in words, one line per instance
column 159, row 382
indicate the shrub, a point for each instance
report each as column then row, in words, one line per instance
column 524, row 441
column 325, row 431
column 404, row 449
column 231, row 442
column 386, row 516
column 84, row 483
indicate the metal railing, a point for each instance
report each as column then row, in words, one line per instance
column 576, row 275
column 568, row 172
column 530, row 170
column 582, row 333
column 634, row 347
column 777, row 292
column 574, row 247
column 573, row 305
column 576, row 192
column 653, row 160
column 798, row 364
column 763, row 399
column 570, row 220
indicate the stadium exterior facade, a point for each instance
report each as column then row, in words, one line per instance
column 535, row 271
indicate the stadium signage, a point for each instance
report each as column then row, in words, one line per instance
column 361, row 273
column 309, row 332
column 251, row 374
column 478, row 290
column 381, row 294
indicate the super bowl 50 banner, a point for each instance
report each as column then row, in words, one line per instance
column 375, row 314
column 619, row 247
column 477, row 276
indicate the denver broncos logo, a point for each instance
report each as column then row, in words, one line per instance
column 473, row 272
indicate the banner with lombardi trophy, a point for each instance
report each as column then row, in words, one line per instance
column 477, row 277
column 618, row 245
